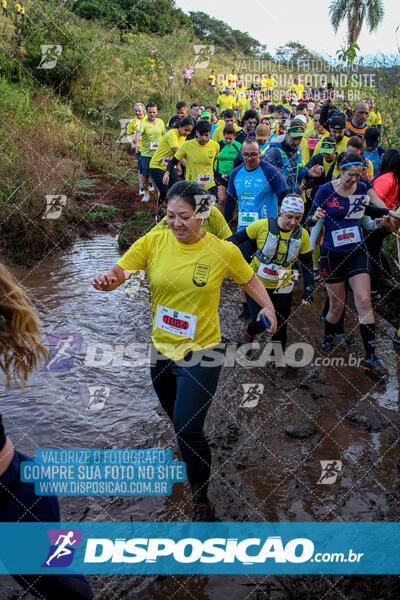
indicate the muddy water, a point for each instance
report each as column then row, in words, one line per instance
column 259, row 473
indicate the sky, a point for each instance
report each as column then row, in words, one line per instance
column 276, row 23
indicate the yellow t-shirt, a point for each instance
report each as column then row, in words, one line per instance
column 199, row 161
column 310, row 132
column 219, row 132
column 270, row 83
column 223, row 83
column 305, row 150
column 374, row 118
column 240, row 92
column 134, row 126
column 214, row 224
column 242, row 104
column 340, row 147
column 151, row 136
column 269, row 275
column 212, row 79
column 220, row 122
column 298, row 88
column 232, row 80
column 185, row 282
column 225, row 101
column 163, row 154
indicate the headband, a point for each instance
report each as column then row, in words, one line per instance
column 356, row 162
column 292, row 204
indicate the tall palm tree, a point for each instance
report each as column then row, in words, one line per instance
column 356, row 11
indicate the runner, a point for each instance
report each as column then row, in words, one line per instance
column 228, row 117
column 286, row 156
column 187, row 74
column 4, row 7
column 212, row 80
column 182, row 111
column 358, row 124
column 373, row 151
column 344, row 256
column 150, row 134
column 249, row 122
column 256, row 187
column 226, row 100
column 132, row 128
column 228, row 150
column 337, row 129
column 185, row 270
column 169, row 144
column 280, row 242
column 298, row 88
column 21, row 353
column 199, row 154
column 374, row 117
column 355, row 145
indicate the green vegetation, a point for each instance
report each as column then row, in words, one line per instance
column 141, row 222
column 58, row 123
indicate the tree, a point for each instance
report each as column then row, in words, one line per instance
column 356, row 12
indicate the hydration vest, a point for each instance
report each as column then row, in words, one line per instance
column 290, row 169
column 269, row 251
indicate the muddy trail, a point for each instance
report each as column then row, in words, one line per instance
column 266, row 447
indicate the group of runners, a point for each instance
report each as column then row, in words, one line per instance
column 18, row 7
column 312, row 188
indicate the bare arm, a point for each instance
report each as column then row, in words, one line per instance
column 374, row 199
column 109, row 280
column 255, row 289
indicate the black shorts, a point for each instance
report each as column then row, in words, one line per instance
column 220, row 180
column 336, row 267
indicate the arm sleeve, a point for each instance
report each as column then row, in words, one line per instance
column 273, row 156
column 172, row 163
column 375, row 211
column 239, row 237
column 229, row 207
column 307, row 268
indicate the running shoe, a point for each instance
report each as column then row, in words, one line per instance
column 146, row 197
column 327, row 345
column 151, row 186
column 396, row 337
column 342, row 339
column 374, row 367
column 141, row 189
column 203, row 511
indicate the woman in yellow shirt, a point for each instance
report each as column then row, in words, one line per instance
column 185, row 269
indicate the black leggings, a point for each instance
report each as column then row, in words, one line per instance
column 374, row 241
column 282, row 304
column 157, row 175
column 185, row 393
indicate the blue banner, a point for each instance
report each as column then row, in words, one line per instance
column 200, row 548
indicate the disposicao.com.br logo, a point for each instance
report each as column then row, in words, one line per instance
column 248, row 551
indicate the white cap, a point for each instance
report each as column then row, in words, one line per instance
column 294, row 103
column 301, row 118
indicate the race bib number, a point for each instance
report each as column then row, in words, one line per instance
column 166, row 160
column 153, row 145
column 204, row 179
column 272, row 272
column 175, row 321
column 247, row 218
column 348, row 235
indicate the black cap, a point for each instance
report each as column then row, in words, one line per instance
column 338, row 121
column 372, row 136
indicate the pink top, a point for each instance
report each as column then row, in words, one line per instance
column 187, row 72
column 387, row 188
